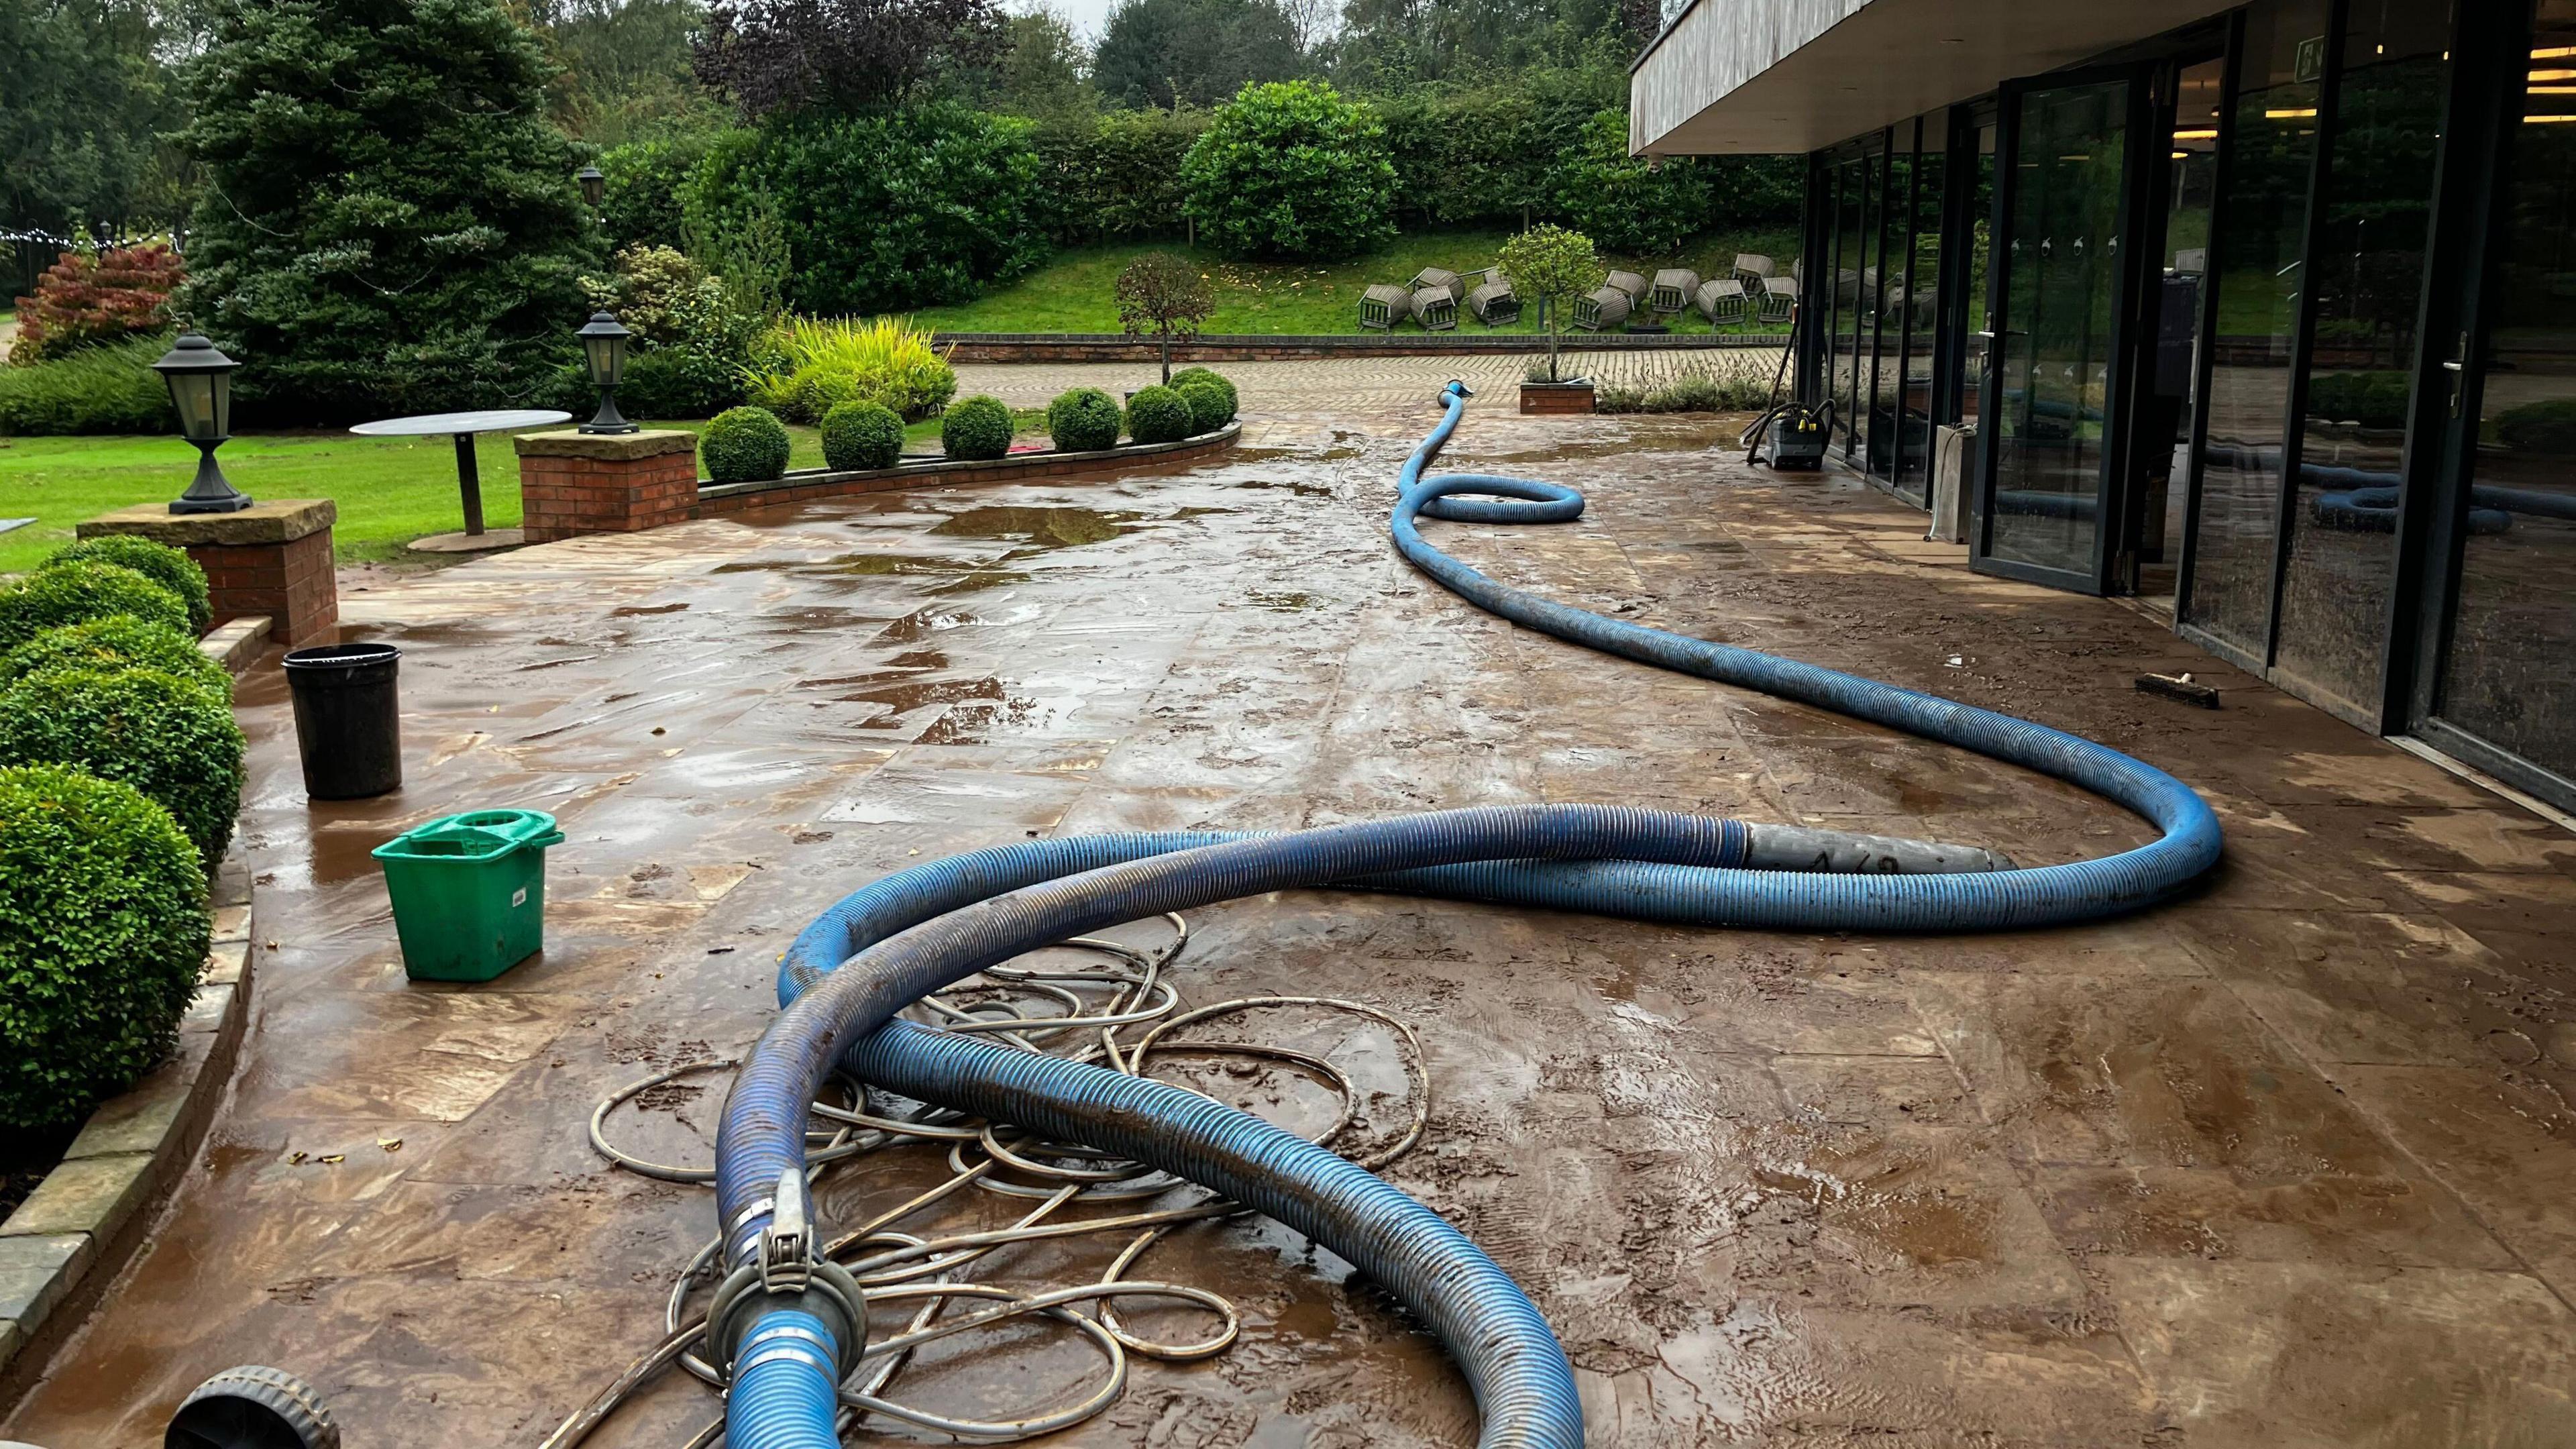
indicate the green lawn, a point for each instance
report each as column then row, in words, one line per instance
column 390, row 490
column 1073, row 293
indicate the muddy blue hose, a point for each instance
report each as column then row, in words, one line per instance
column 915, row 932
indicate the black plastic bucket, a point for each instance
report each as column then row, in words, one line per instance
column 348, row 724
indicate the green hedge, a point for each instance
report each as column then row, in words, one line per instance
column 77, row 592
column 106, row 388
column 103, row 934
column 1117, row 177
column 1083, row 420
column 743, row 445
column 887, row 212
column 978, row 428
column 170, row 737
column 2546, row 427
column 1158, row 415
column 862, row 435
column 169, row 567
column 115, row 642
column 1223, row 384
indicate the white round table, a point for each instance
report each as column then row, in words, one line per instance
column 463, row 427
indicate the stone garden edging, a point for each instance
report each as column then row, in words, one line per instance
column 83, row 1223
column 800, row 487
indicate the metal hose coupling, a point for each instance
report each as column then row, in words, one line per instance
column 785, row 1301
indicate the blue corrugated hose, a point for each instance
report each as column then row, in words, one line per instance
column 922, row 929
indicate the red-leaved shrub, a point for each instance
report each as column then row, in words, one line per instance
column 97, row 297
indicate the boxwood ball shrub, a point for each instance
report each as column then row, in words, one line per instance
column 1158, row 415
column 1206, row 403
column 169, row 567
column 103, row 932
column 1083, row 420
column 744, row 445
column 979, row 427
column 859, row 435
column 1233, row 399
column 166, row 735
column 77, row 592
column 115, row 642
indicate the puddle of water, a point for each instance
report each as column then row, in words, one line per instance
column 915, row 694
column 1042, row 527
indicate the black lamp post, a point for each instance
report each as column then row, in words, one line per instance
column 201, row 388
column 594, row 186
column 603, row 342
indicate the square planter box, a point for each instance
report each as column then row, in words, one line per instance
column 1557, row 397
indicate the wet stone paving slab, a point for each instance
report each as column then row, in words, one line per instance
column 2285, row 1163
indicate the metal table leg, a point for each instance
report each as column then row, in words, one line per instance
column 470, row 483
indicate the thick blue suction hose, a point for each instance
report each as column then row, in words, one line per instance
column 883, row 947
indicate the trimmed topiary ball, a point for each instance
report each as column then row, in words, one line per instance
column 1083, row 420
column 169, row 567
column 1206, row 401
column 103, row 933
column 117, row 642
column 744, row 445
column 77, row 592
column 861, row 435
column 1233, row 399
column 169, row 737
column 1158, row 415
column 979, row 428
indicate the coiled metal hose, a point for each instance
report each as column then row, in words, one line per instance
column 919, row 930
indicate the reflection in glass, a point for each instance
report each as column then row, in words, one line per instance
column 2061, row 279
column 2262, row 220
column 1920, row 311
column 1981, row 227
column 1845, row 278
column 2369, row 281
column 1885, row 297
column 2508, row 674
column 2163, row 449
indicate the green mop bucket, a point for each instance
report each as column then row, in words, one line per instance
column 469, row 892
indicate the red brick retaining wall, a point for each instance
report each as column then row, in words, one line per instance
column 562, row 497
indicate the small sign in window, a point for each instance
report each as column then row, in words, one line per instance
column 2311, row 63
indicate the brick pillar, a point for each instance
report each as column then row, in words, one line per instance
column 574, row 483
column 272, row 558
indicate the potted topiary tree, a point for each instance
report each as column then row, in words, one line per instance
column 1552, row 266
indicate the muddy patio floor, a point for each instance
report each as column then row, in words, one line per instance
column 2283, row 1164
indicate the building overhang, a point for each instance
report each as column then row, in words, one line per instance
column 1774, row 76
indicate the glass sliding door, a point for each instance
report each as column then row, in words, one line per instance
column 1885, row 284
column 2170, row 395
column 2262, row 221
column 2368, row 277
column 1921, row 314
column 2505, row 681
column 1842, row 363
column 2060, row 288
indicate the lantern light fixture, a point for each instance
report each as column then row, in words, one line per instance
column 603, row 346
column 200, row 379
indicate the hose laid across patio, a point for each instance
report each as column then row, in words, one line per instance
column 847, row 975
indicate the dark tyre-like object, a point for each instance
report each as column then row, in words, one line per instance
column 252, row 1407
